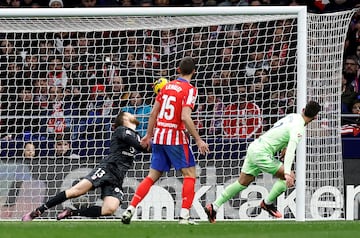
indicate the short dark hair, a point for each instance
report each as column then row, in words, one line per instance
column 312, row 108
column 187, row 66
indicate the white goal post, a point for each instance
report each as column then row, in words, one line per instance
column 255, row 64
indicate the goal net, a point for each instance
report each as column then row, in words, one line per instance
column 65, row 77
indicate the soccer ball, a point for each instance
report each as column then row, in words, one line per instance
column 159, row 84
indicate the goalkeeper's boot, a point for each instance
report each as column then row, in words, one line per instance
column 67, row 212
column 126, row 216
column 210, row 212
column 31, row 215
column 271, row 209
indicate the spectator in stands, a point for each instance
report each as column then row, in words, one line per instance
column 16, row 172
column 126, row 3
column 24, row 113
column 255, row 2
column 131, row 49
column 351, row 124
column 208, row 115
column 282, row 102
column 41, row 91
column 243, row 118
column 56, row 121
column 357, row 52
column 56, row 4
column 70, row 56
column 279, row 45
column 233, row 40
column 15, row 3
column 31, row 62
column 348, row 95
column 29, row 151
column 260, row 90
column 62, row 147
column 56, row 73
column 249, row 35
column 46, row 50
column 117, row 92
column 140, row 109
column 257, row 60
column 168, row 46
column 146, row 3
column 61, row 39
column 151, row 57
column 162, row 3
column 84, row 47
column 88, row 3
column 351, row 71
column 234, row 3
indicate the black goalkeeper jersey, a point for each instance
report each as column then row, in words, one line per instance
column 124, row 145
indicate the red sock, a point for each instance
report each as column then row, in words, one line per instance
column 141, row 191
column 188, row 192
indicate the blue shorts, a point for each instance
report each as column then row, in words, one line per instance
column 163, row 156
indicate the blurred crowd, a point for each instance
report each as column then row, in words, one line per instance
column 318, row 6
column 75, row 82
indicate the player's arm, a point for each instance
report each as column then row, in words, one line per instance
column 190, row 126
column 295, row 137
column 133, row 140
column 289, row 156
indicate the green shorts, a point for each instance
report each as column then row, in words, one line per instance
column 257, row 161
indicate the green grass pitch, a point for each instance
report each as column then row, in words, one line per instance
column 222, row 229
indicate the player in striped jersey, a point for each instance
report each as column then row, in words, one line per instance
column 170, row 116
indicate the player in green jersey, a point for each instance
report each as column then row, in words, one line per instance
column 260, row 157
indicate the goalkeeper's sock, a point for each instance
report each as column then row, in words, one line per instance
column 94, row 211
column 278, row 188
column 228, row 193
column 57, row 199
column 188, row 192
column 141, row 191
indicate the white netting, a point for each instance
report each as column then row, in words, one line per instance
column 64, row 79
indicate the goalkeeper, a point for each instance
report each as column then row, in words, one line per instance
column 284, row 135
column 108, row 175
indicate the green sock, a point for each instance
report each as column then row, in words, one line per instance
column 278, row 188
column 228, row 193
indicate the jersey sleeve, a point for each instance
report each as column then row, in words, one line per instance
column 295, row 136
column 131, row 138
column 190, row 98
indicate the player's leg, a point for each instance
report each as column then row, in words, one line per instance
column 188, row 193
column 79, row 189
column 159, row 164
column 182, row 158
column 230, row 191
column 112, row 196
column 140, row 193
column 248, row 173
column 276, row 168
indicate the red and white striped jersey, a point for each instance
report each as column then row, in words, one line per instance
column 176, row 95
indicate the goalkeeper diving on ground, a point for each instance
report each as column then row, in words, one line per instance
column 108, row 175
column 285, row 134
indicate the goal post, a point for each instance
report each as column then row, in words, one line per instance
column 66, row 73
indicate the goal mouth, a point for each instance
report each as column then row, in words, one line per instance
column 66, row 74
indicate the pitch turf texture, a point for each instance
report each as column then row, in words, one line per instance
column 114, row 229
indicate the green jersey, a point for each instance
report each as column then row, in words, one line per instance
column 286, row 133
